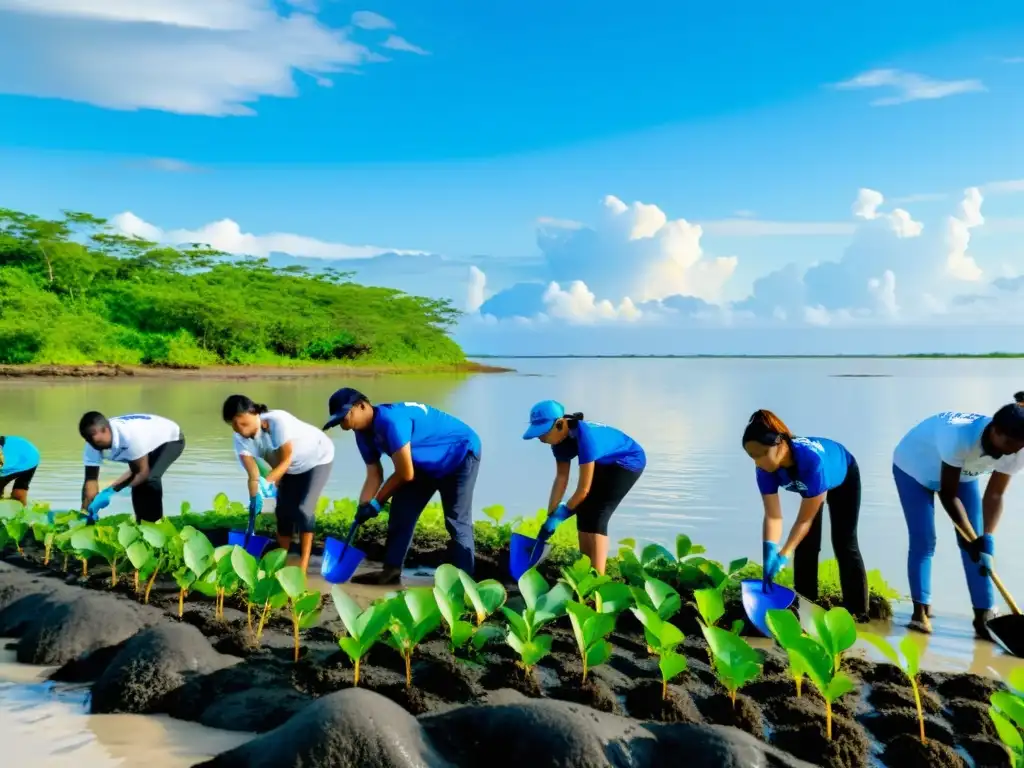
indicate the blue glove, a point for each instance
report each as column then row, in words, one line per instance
column 267, row 490
column 367, row 511
column 773, row 562
column 560, row 515
column 255, row 507
column 778, row 562
column 982, row 551
column 101, row 501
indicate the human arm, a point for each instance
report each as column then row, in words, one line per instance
column 583, row 483
column 949, row 487
column 252, row 470
column 137, row 474
column 992, row 501
column 772, row 526
column 809, row 508
column 372, row 483
column 559, row 485
column 91, row 485
column 404, row 473
column 284, row 460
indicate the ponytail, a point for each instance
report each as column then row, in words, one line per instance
column 572, row 419
column 236, row 405
column 1019, row 398
column 1010, row 418
column 766, row 428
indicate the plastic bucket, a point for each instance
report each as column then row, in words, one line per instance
column 757, row 602
column 257, row 544
column 520, row 549
column 339, row 562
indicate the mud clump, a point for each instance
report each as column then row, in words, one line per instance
column 987, row 753
column 970, row 718
column 886, row 724
column 967, row 686
column 592, row 693
column 644, row 702
column 801, row 729
column 743, row 714
column 906, row 751
column 889, row 696
column 508, row 674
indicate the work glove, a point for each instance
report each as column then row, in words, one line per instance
column 267, row 489
column 101, row 501
column 367, row 511
column 982, row 551
column 255, row 507
column 554, row 519
column 772, row 561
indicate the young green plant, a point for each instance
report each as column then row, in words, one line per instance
column 735, row 662
column 663, row 638
column 785, row 628
column 268, row 594
column 836, row 631
column 822, row 667
column 363, row 627
column 1007, row 713
column 414, row 615
column 583, row 579
column 457, row 597
column 908, row 659
column 660, row 598
column 591, row 630
column 304, row 604
column 544, row 604
column 99, row 540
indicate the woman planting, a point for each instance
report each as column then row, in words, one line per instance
column 300, row 457
column 147, row 444
column 946, row 454
column 432, row 452
column 819, row 470
column 610, row 463
column 18, row 462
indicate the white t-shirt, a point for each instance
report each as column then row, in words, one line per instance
column 950, row 438
column 132, row 437
column 311, row 447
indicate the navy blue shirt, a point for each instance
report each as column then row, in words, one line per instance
column 601, row 444
column 439, row 441
column 820, row 466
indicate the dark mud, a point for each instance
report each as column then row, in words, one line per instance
column 208, row 670
column 907, row 751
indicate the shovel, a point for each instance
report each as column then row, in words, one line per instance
column 341, row 559
column 1008, row 630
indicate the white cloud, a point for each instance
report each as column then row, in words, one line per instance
column 908, row 86
column 226, row 235
column 959, row 264
column 476, row 289
column 201, row 57
column 1004, row 187
column 579, row 305
column 396, row 43
column 866, row 207
column 884, row 291
column 371, row 20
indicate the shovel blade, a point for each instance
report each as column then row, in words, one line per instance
column 1008, row 631
column 757, row 602
column 525, row 553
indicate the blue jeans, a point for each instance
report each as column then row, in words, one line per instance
column 407, row 505
column 919, row 509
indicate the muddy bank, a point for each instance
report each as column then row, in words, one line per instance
column 207, row 670
column 233, row 372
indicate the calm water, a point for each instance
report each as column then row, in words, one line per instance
column 688, row 415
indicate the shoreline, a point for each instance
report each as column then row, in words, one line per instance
column 909, row 356
column 48, row 371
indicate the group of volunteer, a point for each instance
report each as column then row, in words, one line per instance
column 433, row 452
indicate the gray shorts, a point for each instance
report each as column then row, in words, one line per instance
column 297, row 496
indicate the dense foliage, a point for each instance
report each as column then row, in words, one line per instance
column 73, row 291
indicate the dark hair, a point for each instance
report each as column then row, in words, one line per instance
column 1010, row 418
column 91, row 422
column 572, row 419
column 766, row 428
column 238, row 404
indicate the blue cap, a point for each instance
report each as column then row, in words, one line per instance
column 341, row 403
column 543, row 417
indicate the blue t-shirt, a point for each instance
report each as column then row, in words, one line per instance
column 591, row 441
column 19, row 456
column 821, row 465
column 439, row 441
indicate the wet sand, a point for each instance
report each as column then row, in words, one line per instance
column 47, row 724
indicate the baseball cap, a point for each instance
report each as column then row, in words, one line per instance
column 341, row 403
column 543, row 416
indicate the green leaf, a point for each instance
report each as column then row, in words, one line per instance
column 710, row 605
column 1008, row 733
column 683, row 546
column 669, row 636
column 1016, row 679
column 840, row 685
column 198, row 554
column 614, row 597
column 598, row 653
column 127, row 534
column 352, row 648
column 533, row 651
column 448, row 580
column 1009, row 705
column 663, row 597
column 245, row 566
column 517, row 624
column 578, row 616
column 138, row 553
column 652, row 553
column 784, row 626
column 912, row 654
column 551, row 604
column 671, row 664
column 486, row 634
column 598, row 627
column 737, row 565
column 293, row 581
column 884, row 647
column 347, row 608
column 532, row 585
column 310, row 619
column 842, row 629
column 817, row 662
column 492, row 595
column 267, row 590
column 461, row 632
column 307, row 603
column 273, row 561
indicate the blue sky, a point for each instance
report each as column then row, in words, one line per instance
column 451, row 129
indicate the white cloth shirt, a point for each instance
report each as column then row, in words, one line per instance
column 311, row 447
column 132, row 437
column 950, row 438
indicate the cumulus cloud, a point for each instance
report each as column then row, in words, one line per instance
column 475, row 291
column 908, row 86
column 578, row 304
column 201, row 57
column 227, row 235
column 959, row 264
column 866, row 207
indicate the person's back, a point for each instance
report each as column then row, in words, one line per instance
column 438, row 440
column 17, row 455
column 920, row 452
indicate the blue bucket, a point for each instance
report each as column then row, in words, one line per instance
column 257, row 544
column 340, row 562
column 520, row 549
column 757, row 602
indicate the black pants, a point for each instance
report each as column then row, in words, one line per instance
column 844, row 511
column 20, row 480
column 148, row 497
column 297, row 497
column 609, row 487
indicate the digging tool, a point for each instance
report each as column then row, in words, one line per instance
column 1008, row 630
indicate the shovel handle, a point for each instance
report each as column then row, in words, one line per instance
column 970, row 535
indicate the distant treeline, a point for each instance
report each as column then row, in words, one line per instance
column 72, row 291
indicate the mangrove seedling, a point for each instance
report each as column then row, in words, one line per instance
column 305, row 605
column 823, row 670
column 736, row 663
column 543, row 605
column 908, row 659
column 503, row 531
column 363, row 627
column 1007, row 713
column 785, row 628
column 164, row 548
column 659, row 597
column 662, row 638
column 63, row 542
column 269, row 595
column 454, row 603
column 127, row 534
column 486, row 596
column 98, row 540
column 247, row 570
column 614, row 597
column 414, row 615
column 591, row 628
column 583, row 579
column 836, row 631
column 16, row 527
column 227, row 580
column 44, row 528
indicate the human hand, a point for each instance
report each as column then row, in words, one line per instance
column 982, row 551
column 101, row 501
column 255, row 507
column 367, row 511
column 268, row 490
